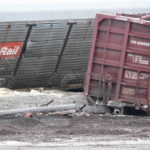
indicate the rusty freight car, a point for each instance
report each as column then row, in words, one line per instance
column 118, row 72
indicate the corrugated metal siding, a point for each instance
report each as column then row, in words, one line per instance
column 75, row 57
column 10, row 33
column 35, row 71
column 43, row 50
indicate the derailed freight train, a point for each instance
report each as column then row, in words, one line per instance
column 45, row 53
column 49, row 47
column 119, row 65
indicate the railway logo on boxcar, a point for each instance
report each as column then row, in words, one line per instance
column 10, row 49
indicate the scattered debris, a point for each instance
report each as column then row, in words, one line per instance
column 45, row 109
column 28, row 115
column 47, row 103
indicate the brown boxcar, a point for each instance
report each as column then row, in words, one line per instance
column 119, row 64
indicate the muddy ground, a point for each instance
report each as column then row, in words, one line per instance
column 76, row 129
column 49, row 128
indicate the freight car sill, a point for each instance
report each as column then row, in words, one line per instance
column 115, row 104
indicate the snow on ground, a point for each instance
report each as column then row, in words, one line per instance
column 17, row 99
column 77, row 142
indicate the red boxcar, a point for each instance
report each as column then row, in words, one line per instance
column 119, row 63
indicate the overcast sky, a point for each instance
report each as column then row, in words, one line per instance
column 71, row 4
column 30, row 10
